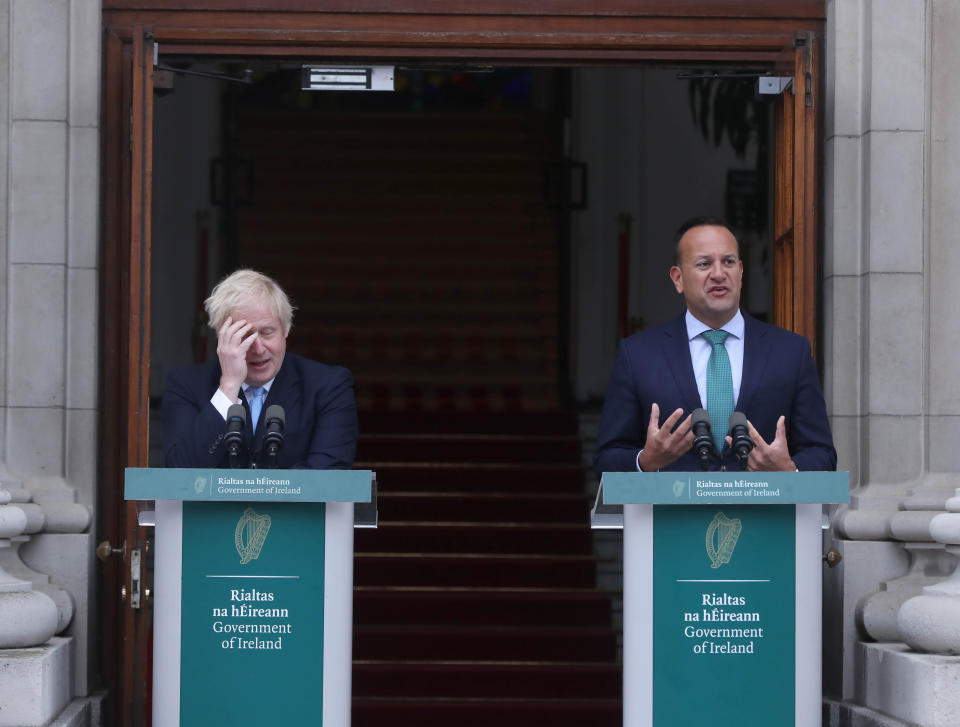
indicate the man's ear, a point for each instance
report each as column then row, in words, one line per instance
column 677, row 278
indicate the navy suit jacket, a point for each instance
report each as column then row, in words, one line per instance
column 320, row 431
column 779, row 377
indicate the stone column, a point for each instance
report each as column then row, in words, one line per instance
column 874, row 315
column 892, row 190
column 49, row 212
column 925, row 621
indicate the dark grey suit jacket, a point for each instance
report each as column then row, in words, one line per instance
column 321, row 417
column 779, row 377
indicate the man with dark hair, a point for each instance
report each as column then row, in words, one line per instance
column 717, row 358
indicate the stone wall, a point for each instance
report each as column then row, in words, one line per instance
column 890, row 160
column 49, row 248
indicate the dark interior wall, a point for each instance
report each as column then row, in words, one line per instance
column 331, row 221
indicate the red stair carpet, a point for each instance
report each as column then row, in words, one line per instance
column 475, row 600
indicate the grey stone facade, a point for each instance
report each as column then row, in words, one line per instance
column 891, row 163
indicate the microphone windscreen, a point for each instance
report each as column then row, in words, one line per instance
column 738, row 419
column 275, row 411
column 236, row 411
column 699, row 416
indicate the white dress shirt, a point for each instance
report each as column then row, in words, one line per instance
column 221, row 402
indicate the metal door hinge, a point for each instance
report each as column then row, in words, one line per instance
column 135, row 578
column 773, row 85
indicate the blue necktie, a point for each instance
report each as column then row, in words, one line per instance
column 255, row 397
column 719, row 387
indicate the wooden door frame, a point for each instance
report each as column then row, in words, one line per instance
column 504, row 32
column 126, row 161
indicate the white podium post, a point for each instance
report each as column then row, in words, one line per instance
column 722, row 592
column 253, row 582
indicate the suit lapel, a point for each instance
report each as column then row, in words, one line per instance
column 756, row 355
column 281, row 392
column 676, row 350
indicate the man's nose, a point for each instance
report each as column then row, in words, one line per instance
column 256, row 346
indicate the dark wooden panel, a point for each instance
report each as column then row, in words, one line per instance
column 814, row 9
column 548, row 37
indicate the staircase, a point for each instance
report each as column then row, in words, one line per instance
column 416, row 247
column 475, row 600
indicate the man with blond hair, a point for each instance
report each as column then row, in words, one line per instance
column 252, row 317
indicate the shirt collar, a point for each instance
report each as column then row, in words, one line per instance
column 266, row 387
column 735, row 326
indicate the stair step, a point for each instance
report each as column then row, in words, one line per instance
column 433, row 606
column 514, row 679
column 423, row 712
column 482, row 643
column 484, row 507
column 534, row 422
column 462, row 537
column 460, row 569
column 393, row 476
column 469, row 447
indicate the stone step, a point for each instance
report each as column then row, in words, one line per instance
column 511, row 679
column 395, row 476
column 432, row 606
column 478, row 507
column 467, row 448
column 484, row 712
column 528, row 422
column 540, row 644
column 458, row 537
column 470, row 569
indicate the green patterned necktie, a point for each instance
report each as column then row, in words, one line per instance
column 719, row 387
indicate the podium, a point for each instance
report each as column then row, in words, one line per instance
column 721, row 594
column 253, row 592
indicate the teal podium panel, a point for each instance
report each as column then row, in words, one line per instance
column 253, row 598
column 155, row 483
column 722, row 600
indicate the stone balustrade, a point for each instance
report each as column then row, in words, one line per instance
column 877, row 614
column 27, row 617
column 32, row 609
column 930, row 622
column 41, row 671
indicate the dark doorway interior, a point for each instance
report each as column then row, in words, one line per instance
column 432, row 242
column 410, row 229
column 434, row 239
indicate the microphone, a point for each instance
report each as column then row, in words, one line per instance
column 275, row 419
column 741, row 443
column 236, row 423
column 702, row 439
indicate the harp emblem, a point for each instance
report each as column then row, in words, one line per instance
column 250, row 534
column 678, row 488
column 200, row 484
column 722, row 536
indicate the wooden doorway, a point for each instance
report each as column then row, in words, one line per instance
column 500, row 32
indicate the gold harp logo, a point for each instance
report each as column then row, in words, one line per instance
column 250, row 534
column 722, row 536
